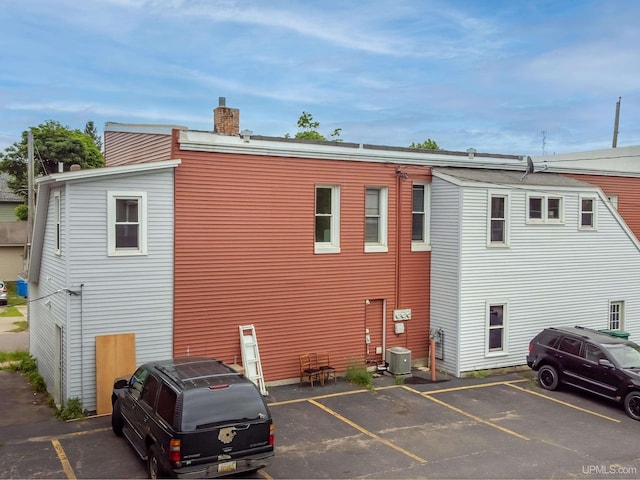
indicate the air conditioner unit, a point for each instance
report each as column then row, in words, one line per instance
column 399, row 359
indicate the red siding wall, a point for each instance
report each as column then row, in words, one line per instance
column 628, row 191
column 244, row 239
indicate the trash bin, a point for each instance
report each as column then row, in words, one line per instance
column 22, row 287
column 616, row 333
column 399, row 359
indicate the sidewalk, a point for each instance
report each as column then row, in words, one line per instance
column 12, row 341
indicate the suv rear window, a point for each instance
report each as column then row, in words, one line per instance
column 548, row 339
column 570, row 345
column 167, row 404
column 209, row 407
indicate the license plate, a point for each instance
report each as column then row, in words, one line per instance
column 226, row 467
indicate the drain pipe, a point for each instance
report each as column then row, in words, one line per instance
column 432, row 358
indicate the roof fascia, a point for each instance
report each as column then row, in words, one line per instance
column 92, row 173
column 192, row 140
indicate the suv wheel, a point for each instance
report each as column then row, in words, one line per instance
column 117, row 422
column 548, row 377
column 154, row 469
column 632, row 405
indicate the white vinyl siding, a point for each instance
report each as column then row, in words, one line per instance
column 446, row 235
column 122, row 294
column 589, row 270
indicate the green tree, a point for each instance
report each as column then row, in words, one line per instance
column 308, row 129
column 91, row 132
column 53, row 144
column 428, row 144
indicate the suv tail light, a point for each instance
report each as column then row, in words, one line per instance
column 272, row 440
column 530, row 347
column 4, row 289
column 174, row 451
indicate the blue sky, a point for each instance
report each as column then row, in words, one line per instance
column 492, row 75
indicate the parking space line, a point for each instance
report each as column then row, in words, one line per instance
column 66, row 466
column 329, row 395
column 466, row 414
column 479, row 385
column 367, row 432
column 566, row 404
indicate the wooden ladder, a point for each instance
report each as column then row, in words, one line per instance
column 251, row 356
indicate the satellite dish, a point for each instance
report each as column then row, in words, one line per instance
column 529, row 168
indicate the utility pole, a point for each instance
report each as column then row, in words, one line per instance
column 614, row 144
column 30, row 200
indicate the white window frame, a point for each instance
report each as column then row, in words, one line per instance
column 425, row 243
column 141, row 197
column 616, row 315
column 544, row 207
column 505, row 328
column 57, row 220
column 507, row 223
column 381, row 245
column 333, row 245
column 594, row 212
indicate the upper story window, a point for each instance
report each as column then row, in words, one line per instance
column 327, row 227
column 544, row 209
column 127, row 218
column 58, row 220
column 420, row 217
column 375, row 219
column 498, row 224
column 587, row 213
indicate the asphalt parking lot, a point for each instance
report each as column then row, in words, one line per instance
column 498, row 427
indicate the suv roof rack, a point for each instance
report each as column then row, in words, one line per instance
column 178, row 376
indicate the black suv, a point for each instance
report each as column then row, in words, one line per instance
column 193, row 418
column 597, row 362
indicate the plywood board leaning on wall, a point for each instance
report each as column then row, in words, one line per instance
column 115, row 357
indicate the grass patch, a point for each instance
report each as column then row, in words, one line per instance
column 11, row 312
column 20, row 326
column 399, row 380
column 16, row 356
column 72, row 410
column 12, row 295
column 478, row 374
column 357, row 373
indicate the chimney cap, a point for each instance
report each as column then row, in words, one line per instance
column 222, row 101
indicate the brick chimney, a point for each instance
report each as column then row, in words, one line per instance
column 226, row 121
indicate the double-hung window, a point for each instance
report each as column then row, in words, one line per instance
column 496, row 333
column 327, row 214
column 420, row 217
column 587, row 213
column 127, row 219
column 375, row 219
column 57, row 212
column 616, row 315
column 498, row 221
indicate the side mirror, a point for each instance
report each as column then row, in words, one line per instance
column 605, row 363
column 123, row 383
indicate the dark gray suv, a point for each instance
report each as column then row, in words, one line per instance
column 590, row 360
column 193, row 418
